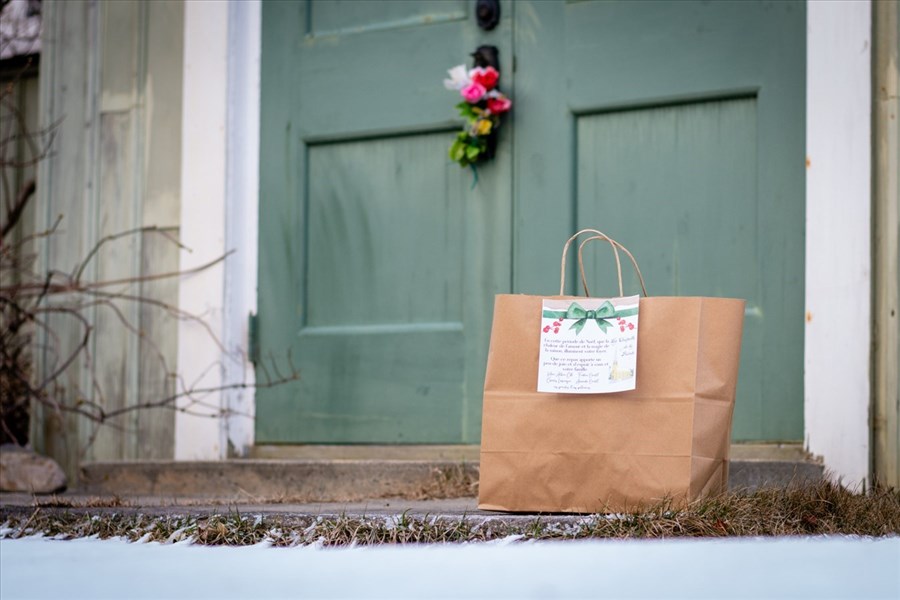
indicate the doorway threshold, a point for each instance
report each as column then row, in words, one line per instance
column 447, row 452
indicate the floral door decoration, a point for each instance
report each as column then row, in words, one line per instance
column 482, row 107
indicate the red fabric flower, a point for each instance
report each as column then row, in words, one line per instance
column 487, row 77
column 499, row 105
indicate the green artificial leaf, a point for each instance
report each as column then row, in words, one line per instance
column 465, row 111
column 472, row 152
column 457, row 151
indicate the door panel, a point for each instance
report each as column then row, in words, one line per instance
column 679, row 183
column 378, row 260
column 666, row 176
column 385, row 233
column 347, row 17
column 677, row 128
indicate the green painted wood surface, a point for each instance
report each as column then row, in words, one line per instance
column 378, row 262
column 675, row 126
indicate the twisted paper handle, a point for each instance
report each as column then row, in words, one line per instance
column 598, row 235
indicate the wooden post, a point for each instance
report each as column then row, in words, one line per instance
column 886, row 259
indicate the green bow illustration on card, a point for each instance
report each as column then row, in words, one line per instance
column 582, row 316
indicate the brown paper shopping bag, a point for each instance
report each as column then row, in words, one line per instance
column 669, row 437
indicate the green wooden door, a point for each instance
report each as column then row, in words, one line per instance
column 678, row 128
column 378, row 263
column 675, row 126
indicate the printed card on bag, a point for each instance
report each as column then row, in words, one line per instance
column 588, row 345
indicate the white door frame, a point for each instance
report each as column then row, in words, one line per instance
column 219, row 199
column 220, row 202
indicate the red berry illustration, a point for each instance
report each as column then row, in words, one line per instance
column 546, row 329
column 556, row 330
column 631, row 326
column 622, row 328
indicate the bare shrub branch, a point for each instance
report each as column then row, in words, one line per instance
column 26, row 306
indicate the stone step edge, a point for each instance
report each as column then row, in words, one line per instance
column 769, row 451
column 253, row 480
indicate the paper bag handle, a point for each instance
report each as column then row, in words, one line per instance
column 616, row 245
column 581, row 263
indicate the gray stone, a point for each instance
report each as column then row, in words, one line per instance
column 22, row 470
column 279, row 480
column 347, row 478
column 750, row 475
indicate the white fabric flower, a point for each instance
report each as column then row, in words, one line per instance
column 459, row 78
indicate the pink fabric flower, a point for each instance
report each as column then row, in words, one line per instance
column 499, row 105
column 487, row 76
column 473, row 92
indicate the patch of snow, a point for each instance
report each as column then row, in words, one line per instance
column 816, row 567
column 392, row 521
column 505, row 541
column 176, row 536
column 144, row 538
column 311, row 528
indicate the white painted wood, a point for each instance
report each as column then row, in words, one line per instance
column 241, row 222
column 200, row 426
column 220, row 180
column 838, row 237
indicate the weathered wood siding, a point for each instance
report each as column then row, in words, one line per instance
column 22, row 86
column 886, row 220
column 112, row 73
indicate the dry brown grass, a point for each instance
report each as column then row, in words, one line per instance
column 458, row 481
column 54, row 501
column 822, row 508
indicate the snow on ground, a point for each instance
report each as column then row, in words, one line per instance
column 821, row 567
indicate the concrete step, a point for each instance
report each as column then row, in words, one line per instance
column 333, row 475
column 262, row 480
